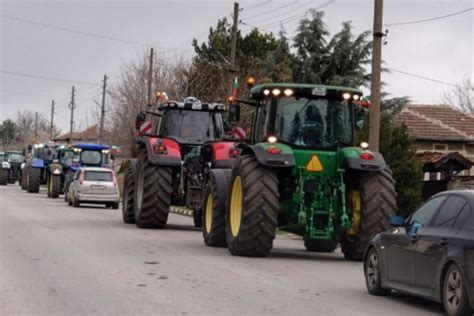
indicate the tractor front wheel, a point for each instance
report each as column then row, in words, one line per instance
column 252, row 215
column 378, row 201
column 34, row 180
column 128, row 200
column 54, row 187
column 215, row 199
column 3, row 176
column 24, row 178
column 153, row 190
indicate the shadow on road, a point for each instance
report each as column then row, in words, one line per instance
column 297, row 254
column 417, row 302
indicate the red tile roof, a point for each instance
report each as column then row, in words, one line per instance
column 437, row 123
column 91, row 133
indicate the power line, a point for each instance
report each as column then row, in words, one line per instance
column 47, row 78
column 282, row 14
column 64, row 29
column 424, row 78
column 257, row 5
column 274, row 10
column 430, row 19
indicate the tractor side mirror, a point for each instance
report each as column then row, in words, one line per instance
column 141, row 117
column 234, row 113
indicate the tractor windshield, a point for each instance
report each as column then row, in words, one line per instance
column 91, row 157
column 14, row 157
column 191, row 127
column 314, row 122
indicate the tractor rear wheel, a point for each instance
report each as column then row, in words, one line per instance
column 215, row 199
column 378, row 199
column 3, row 176
column 153, row 190
column 318, row 245
column 252, row 215
column 197, row 217
column 34, row 180
column 128, row 201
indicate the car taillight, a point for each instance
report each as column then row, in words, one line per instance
column 366, row 156
column 273, row 150
column 81, row 178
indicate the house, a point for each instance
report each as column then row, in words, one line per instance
column 444, row 139
column 89, row 135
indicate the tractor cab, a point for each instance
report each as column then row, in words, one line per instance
column 89, row 155
column 306, row 116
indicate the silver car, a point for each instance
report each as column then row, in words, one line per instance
column 94, row 186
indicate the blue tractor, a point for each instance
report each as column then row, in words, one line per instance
column 84, row 155
column 42, row 166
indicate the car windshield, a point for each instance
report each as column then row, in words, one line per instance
column 187, row 126
column 14, row 157
column 314, row 122
column 105, row 176
column 91, row 157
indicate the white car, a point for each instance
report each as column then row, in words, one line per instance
column 94, row 186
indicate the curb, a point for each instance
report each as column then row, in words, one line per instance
column 181, row 211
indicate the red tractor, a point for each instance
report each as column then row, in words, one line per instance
column 180, row 146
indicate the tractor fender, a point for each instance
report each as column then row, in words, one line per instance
column 281, row 160
column 351, row 159
column 37, row 163
column 220, row 154
column 170, row 157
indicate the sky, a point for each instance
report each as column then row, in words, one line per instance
column 441, row 50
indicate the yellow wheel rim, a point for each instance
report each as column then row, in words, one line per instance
column 209, row 209
column 236, row 206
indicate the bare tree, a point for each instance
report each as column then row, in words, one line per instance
column 461, row 96
column 25, row 122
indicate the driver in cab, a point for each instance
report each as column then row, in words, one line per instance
column 308, row 132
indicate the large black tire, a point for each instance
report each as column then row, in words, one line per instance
column 54, row 186
column 3, row 176
column 153, row 190
column 128, row 196
column 24, row 178
column 215, row 201
column 34, row 180
column 197, row 218
column 379, row 202
column 252, row 213
column 318, row 245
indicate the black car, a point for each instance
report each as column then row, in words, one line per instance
column 430, row 255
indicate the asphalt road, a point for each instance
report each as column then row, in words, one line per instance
column 60, row 260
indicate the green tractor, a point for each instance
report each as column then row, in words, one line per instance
column 300, row 171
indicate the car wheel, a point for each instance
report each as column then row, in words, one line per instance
column 455, row 298
column 373, row 275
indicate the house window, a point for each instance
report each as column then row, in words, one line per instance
column 440, row 147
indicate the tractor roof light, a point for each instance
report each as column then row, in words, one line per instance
column 346, row 96
column 276, row 92
column 272, row 139
column 288, row 92
column 266, row 92
column 364, row 145
column 355, row 97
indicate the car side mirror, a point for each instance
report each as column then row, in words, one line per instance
column 396, row 220
column 234, row 113
column 141, row 117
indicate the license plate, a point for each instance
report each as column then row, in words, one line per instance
column 100, row 187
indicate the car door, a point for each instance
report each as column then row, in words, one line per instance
column 401, row 247
column 434, row 239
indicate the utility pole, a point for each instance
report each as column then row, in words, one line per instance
column 150, row 77
column 233, row 44
column 374, row 117
column 102, row 111
column 52, row 120
column 72, row 106
column 36, row 127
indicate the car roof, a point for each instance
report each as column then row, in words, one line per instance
column 96, row 169
column 468, row 194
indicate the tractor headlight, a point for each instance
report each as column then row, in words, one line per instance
column 276, row 92
column 364, row 145
column 346, row 96
column 5, row 164
column 288, row 92
column 266, row 92
column 272, row 139
column 355, row 97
